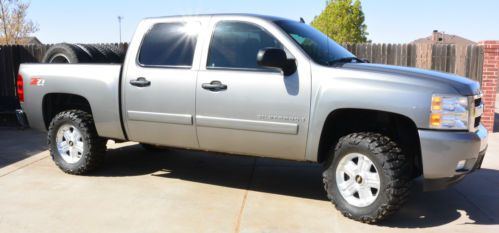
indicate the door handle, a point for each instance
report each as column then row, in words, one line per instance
column 140, row 82
column 214, row 86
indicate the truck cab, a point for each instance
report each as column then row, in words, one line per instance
column 206, row 91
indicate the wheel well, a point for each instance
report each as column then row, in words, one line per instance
column 399, row 128
column 55, row 103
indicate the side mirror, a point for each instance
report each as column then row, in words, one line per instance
column 276, row 58
column 365, row 60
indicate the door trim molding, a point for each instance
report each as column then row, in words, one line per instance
column 180, row 119
column 249, row 125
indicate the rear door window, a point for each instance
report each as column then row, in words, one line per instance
column 169, row 44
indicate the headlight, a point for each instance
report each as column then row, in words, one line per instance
column 449, row 112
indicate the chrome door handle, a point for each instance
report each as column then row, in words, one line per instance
column 214, row 86
column 140, row 82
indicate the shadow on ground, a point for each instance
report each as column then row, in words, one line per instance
column 259, row 174
column 16, row 145
column 475, row 199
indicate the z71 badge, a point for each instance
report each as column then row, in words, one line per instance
column 37, row 82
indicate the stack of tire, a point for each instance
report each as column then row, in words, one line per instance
column 85, row 53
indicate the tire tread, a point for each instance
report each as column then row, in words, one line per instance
column 95, row 144
column 394, row 163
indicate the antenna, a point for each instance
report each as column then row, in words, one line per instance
column 302, row 20
column 119, row 22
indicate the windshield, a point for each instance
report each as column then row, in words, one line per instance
column 318, row 46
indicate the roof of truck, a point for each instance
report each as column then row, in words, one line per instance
column 266, row 17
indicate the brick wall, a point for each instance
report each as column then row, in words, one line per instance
column 489, row 80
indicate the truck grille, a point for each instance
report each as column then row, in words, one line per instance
column 477, row 121
column 478, row 101
column 478, row 111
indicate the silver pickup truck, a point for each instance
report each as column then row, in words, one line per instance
column 264, row 86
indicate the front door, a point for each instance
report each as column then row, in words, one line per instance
column 244, row 108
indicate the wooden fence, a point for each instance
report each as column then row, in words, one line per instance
column 462, row 60
column 10, row 58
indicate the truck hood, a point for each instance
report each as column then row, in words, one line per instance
column 462, row 85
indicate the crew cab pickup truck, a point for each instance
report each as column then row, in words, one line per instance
column 264, row 86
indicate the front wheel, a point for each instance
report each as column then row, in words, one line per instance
column 367, row 177
column 74, row 144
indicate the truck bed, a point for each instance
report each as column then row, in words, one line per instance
column 98, row 84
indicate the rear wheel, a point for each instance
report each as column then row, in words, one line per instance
column 74, row 144
column 367, row 178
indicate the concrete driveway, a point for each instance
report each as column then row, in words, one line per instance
column 182, row 191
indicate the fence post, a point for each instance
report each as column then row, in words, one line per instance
column 490, row 75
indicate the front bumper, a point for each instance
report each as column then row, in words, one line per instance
column 441, row 151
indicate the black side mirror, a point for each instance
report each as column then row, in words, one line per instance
column 365, row 60
column 276, row 58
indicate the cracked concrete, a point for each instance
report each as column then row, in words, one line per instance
column 185, row 191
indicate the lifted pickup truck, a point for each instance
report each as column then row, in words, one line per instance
column 264, row 86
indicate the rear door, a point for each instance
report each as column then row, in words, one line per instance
column 159, row 85
column 244, row 108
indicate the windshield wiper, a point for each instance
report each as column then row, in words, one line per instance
column 344, row 60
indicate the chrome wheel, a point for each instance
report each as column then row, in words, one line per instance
column 69, row 143
column 358, row 180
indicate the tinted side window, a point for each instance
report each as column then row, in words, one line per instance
column 169, row 44
column 236, row 45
